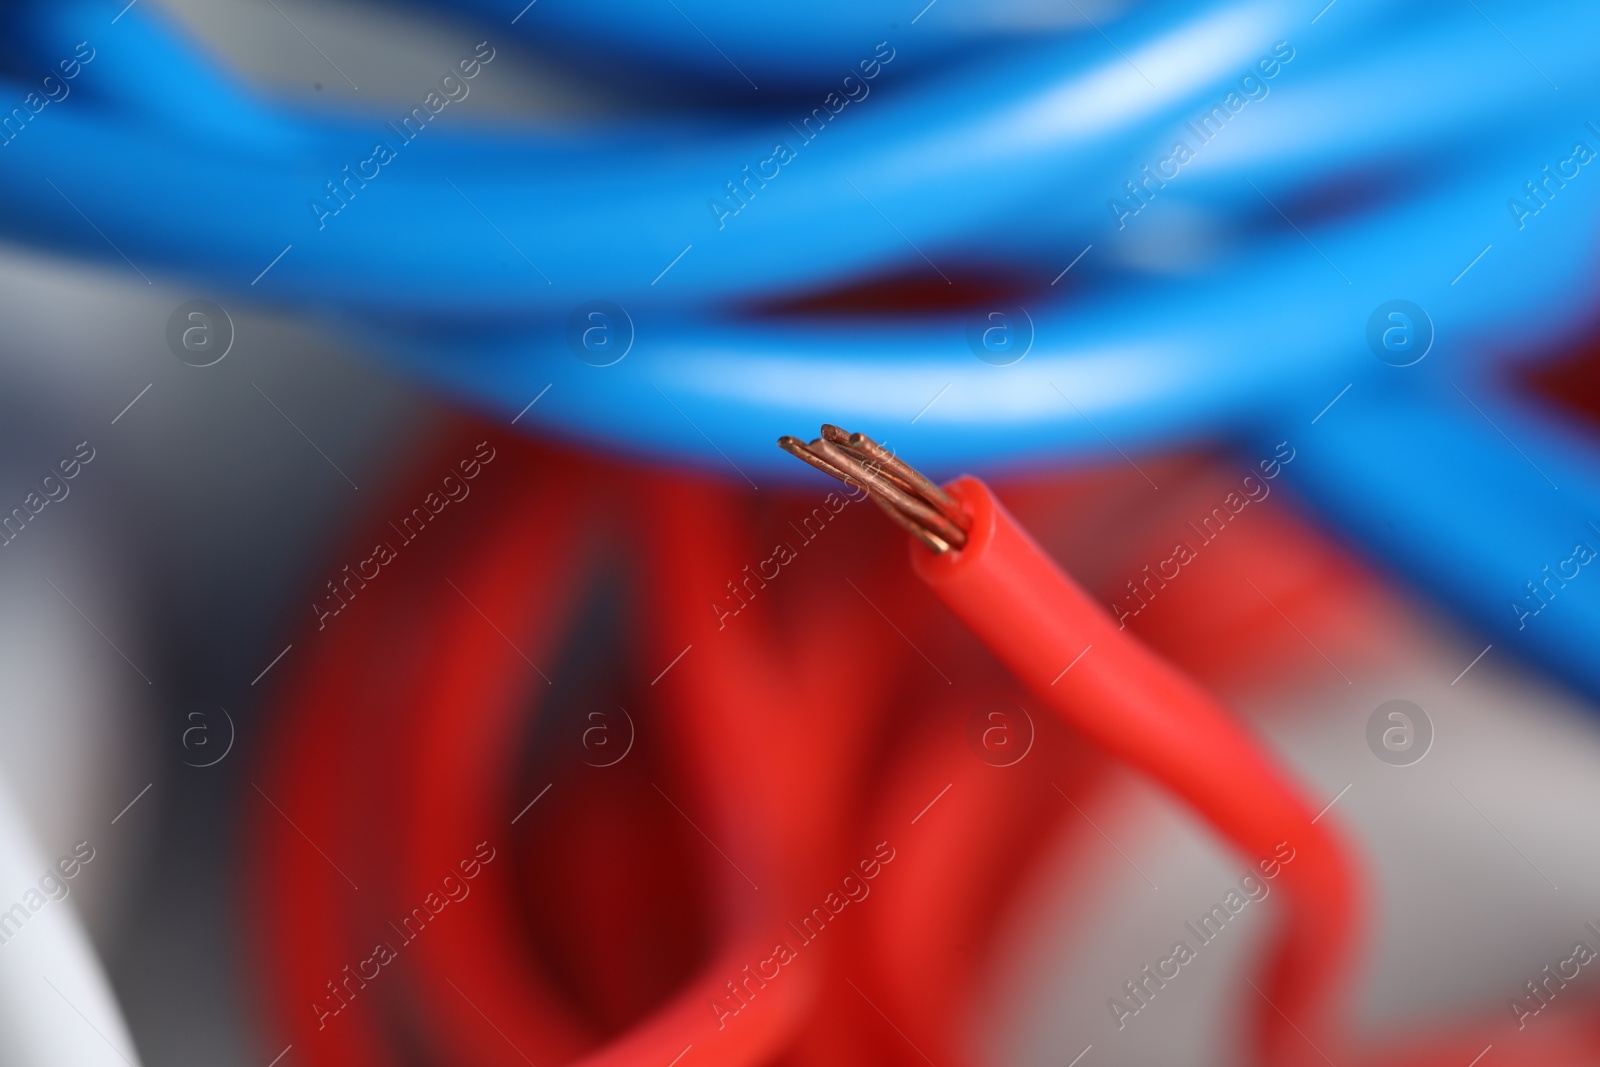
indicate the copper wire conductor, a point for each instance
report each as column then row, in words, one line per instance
column 913, row 502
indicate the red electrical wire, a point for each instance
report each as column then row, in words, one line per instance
column 776, row 750
column 1136, row 706
column 1142, row 711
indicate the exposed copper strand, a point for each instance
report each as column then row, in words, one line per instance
column 915, row 510
column 927, row 537
column 844, row 464
column 880, row 459
column 800, row 450
column 910, row 500
column 920, row 483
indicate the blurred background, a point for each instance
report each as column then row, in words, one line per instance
column 544, row 283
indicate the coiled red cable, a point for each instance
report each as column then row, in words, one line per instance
column 778, row 747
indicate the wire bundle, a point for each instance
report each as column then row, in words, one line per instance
column 1229, row 298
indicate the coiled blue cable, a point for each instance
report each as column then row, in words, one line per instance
column 1227, row 298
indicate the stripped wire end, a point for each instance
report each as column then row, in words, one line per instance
column 924, row 510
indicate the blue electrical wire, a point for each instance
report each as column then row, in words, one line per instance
column 1024, row 142
column 1229, row 301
